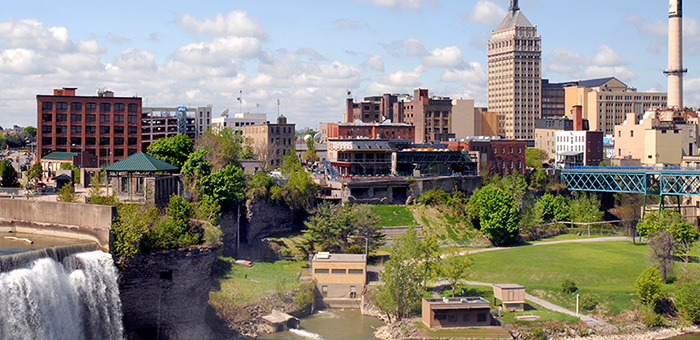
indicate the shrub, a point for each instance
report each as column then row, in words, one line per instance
column 649, row 287
column 212, row 235
column 67, row 195
column 588, row 302
column 535, row 333
column 568, row 286
column 354, row 249
column 688, row 302
column 650, row 318
column 304, row 295
column 434, row 197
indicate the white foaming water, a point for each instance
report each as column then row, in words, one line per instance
column 78, row 299
column 306, row 334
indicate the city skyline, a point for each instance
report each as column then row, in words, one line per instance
column 308, row 56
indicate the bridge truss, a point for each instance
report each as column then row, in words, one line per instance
column 648, row 181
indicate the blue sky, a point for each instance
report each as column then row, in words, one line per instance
column 309, row 53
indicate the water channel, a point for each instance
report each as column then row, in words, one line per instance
column 332, row 324
column 695, row 336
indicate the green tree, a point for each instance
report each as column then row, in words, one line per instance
column 224, row 146
column 196, row 166
column 224, row 185
column 130, row 226
column 497, row 213
column 671, row 221
column 688, row 301
column 299, row 192
column 648, row 286
column 258, row 186
column 366, row 231
column 174, row 230
column 535, row 157
column 584, row 208
column 661, row 251
column 337, row 228
column 514, row 184
column 401, row 291
column 35, row 172
column 66, row 194
column 310, row 155
column 174, row 150
column 8, row 175
column 455, row 269
column 29, row 130
column 538, row 179
column 552, row 208
column 430, row 259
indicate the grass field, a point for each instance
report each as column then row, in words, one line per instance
column 605, row 271
column 468, row 333
column 238, row 284
column 393, row 215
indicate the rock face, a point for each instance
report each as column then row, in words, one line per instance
column 265, row 218
column 165, row 294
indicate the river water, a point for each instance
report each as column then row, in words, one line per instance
column 686, row 337
column 332, row 324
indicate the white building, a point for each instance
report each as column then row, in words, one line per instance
column 578, row 148
column 239, row 120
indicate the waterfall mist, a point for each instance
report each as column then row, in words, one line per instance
column 77, row 298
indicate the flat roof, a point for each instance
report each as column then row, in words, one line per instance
column 458, row 303
column 508, row 285
column 341, row 258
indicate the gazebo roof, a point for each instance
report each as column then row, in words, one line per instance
column 140, row 162
column 62, row 177
column 61, row 156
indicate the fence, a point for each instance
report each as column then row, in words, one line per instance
column 591, row 229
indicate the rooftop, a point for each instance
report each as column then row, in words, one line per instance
column 60, row 156
column 328, row 257
column 509, row 285
column 458, row 303
column 140, row 162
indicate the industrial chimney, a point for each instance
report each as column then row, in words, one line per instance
column 675, row 69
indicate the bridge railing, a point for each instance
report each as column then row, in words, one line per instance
column 635, row 168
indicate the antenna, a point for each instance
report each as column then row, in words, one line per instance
column 278, row 107
column 257, row 108
column 224, row 113
column 240, row 101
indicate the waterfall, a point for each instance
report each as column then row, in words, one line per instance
column 77, row 298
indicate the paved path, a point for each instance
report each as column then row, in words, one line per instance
column 580, row 240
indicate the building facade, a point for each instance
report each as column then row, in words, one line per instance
column 105, row 126
column 514, row 76
column 164, row 122
column 271, row 141
column 579, row 148
column 385, row 130
column 552, row 99
column 495, row 154
column 339, row 275
column 607, row 101
column 239, row 120
column 455, row 312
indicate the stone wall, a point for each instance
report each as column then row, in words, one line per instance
column 73, row 220
column 165, row 294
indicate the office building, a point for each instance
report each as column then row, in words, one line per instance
column 239, row 120
column 105, row 126
column 164, row 122
column 271, row 141
column 514, row 76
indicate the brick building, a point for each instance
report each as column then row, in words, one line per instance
column 105, row 126
column 271, row 141
column 386, row 130
column 501, row 155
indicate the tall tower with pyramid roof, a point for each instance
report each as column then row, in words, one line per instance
column 514, row 76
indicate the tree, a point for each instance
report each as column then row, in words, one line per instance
column 514, row 184
column 258, row 186
column 552, row 208
column 35, row 172
column 454, row 269
column 401, row 290
column 132, row 223
column 535, row 157
column 299, row 192
column 688, row 301
column 661, row 247
column 538, row 180
column 366, row 231
column 584, row 208
column 497, row 212
column 684, row 235
column 66, row 194
column 224, row 146
column 337, row 228
column 30, row 131
column 310, row 155
column 430, row 259
column 224, row 185
column 174, row 150
column 648, row 286
column 8, row 175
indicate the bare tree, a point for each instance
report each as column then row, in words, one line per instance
column 661, row 251
column 265, row 153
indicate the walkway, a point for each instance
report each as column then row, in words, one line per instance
column 580, row 240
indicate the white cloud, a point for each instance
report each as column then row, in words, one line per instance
column 20, row 61
column 398, row 80
column 450, row 56
column 133, row 59
column 485, row 12
column 111, row 37
column 375, row 62
column 218, row 51
column 474, row 73
column 236, row 23
column 347, row 23
column 605, row 63
column 91, row 46
column 31, row 34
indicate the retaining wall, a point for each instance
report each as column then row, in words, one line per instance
column 72, row 220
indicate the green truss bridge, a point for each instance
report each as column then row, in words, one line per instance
column 660, row 181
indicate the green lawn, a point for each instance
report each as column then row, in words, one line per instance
column 605, row 271
column 240, row 284
column 469, row 333
column 393, row 215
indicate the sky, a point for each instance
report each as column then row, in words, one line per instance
column 308, row 54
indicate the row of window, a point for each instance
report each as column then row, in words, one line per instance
column 338, row 271
column 90, row 107
column 453, row 317
column 89, row 130
column 503, row 149
column 89, row 141
column 89, row 118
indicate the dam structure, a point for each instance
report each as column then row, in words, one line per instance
column 68, row 292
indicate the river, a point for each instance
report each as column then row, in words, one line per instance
column 695, row 336
column 332, row 324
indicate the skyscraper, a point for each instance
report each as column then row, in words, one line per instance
column 514, row 76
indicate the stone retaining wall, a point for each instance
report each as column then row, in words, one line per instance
column 72, row 220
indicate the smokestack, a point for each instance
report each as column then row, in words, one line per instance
column 577, row 114
column 675, row 69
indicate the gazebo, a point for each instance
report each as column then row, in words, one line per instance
column 142, row 177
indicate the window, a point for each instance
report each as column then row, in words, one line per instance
column 90, row 118
column 46, row 118
column 46, row 106
column 321, row 271
column 118, row 140
column 90, row 107
column 631, row 133
column 46, row 129
column 105, row 107
column 133, row 108
column 76, row 129
column 440, row 317
column 465, row 317
column 61, row 106
column 104, row 118
column 90, row 130
column 118, row 152
column 60, row 129
column 451, row 317
column 104, row 130
column 481, row 317
column 132, row 119
column 118, row 130
column 76, row 118
column 355, row 271
column 61, row 118
column 104, row 140
column 338, row 271
column 118, row 107
column 119, row 118
column 76, row 106
column 132, row 130
column 132, row 140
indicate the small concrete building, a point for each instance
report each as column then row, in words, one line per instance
column 511, row 295
column 456, row 312
column 339, row 276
